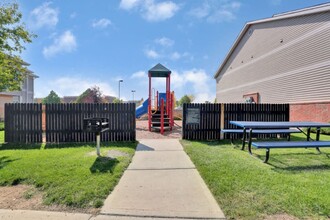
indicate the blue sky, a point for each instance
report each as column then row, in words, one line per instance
column 88, row 43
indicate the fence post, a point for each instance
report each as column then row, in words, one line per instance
column 222, row 120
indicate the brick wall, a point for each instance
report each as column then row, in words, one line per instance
column 319, row 112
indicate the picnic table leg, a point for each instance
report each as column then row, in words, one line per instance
column 308, row 134
column 250, row 140
column 318, row 130
column 288, row 137
column 267, row 155
column 243, row 139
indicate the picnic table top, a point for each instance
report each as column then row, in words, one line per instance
column 278, row 124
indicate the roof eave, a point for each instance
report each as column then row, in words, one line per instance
column 238, row 39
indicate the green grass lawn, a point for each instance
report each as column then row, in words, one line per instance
column 295, row 182
column 2, row 126
column 2, row 137
column 69, row 174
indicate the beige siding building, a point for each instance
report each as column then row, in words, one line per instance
column 26, row 95
column 282, row 59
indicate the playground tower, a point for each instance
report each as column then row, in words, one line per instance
column 161, row 105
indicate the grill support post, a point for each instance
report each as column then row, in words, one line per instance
column 98, row 140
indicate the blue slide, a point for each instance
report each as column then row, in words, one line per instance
column 142, row 109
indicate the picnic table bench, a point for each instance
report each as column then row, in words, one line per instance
column 288, row 144
column 287, row 131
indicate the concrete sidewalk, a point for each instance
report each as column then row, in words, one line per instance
column 161, row 182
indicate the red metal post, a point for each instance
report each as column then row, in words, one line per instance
column 162, row 116
column 157, row 97
column 172, row 110
column 149, row 104
column 166, row 94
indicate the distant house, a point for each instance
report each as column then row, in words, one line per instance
column 69, row 99
column 26, row 95
column 282, row 59
column 72, row 99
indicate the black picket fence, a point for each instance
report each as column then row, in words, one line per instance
column 64, row 122
column 205, row 121
column 23, row 123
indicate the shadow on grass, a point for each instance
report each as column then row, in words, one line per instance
column 307, row 168
column 103, row 165
column 20, row 146
column 292, row 162
column 131, row 144
column 33, row 146
column 5, row 160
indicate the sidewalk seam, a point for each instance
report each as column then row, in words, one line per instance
column 146, row 169
column 158, row 216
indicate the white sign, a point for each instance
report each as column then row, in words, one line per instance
column 193, row 116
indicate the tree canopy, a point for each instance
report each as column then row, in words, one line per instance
column 51, row 98
column 186, row 99
column 91, row 95
column 13, row 35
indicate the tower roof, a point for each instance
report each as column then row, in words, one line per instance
column 159, row 71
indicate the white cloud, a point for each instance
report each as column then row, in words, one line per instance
column 197, row 83
column 165, row 42
column 151, row 54
column 159, row 11
column 102, row 23
column 129, row 4
column 73, row 15
column 150, row 10
column 72, row 86
column 44, row 15
column 276, row 2
column 64, row 43
column 139, row 74
column 216, row 11
column 176, row 56
column 202, row 11
column 220, row 16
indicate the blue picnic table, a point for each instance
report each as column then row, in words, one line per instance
column 249, row 126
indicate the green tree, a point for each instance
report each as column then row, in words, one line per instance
column 186, row 99
column 51, row 98
column 13, row 34
column 91, row 95
column 116, row 100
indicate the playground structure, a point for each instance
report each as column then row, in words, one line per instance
column 160, row 105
